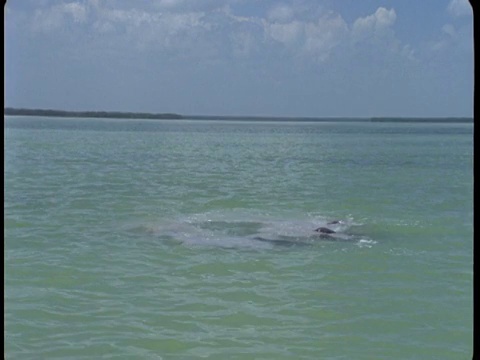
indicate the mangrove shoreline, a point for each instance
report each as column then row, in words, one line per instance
column 172, row 116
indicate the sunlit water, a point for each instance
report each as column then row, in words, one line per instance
column 187, row 239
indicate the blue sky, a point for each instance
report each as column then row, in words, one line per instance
column 242, row 57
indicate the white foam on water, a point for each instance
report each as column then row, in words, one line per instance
column 366, row 243
column 242, row 228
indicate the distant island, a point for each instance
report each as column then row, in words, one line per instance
column 89, row 114
column 421, row 119
column 172, row 116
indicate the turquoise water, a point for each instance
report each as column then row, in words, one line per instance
column 166, row 239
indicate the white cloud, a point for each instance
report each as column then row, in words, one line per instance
column 459, row 8
column 146, row 30
column 375, row 35
column 280, row 13
column 190, row 30
column 170, row 3
column 243, row 43
column 322, row 37
column 189, row 5
column 57, row 16
column 453, row 38
column 449, row 29
column 286, row 33
column 45, row 21
column 315, row 39
column 76, row 10
column 407, row 52
column 375, row 24
column 103, row 27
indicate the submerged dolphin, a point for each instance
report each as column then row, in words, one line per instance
column 281, row 242
column 324, row 233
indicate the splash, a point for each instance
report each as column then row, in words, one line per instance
column 257, row 230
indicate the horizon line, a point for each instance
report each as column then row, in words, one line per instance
column 177, row 116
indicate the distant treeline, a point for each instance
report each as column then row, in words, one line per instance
column 430, row 120
column 136, row 115
column 89, row 114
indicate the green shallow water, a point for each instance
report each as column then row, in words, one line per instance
column 140, row 239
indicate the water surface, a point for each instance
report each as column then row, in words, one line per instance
column 142, row 239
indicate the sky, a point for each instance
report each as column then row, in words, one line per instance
column 312, row 58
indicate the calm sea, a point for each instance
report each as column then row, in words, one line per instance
column 134, row 239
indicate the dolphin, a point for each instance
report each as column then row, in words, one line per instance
column 324, row 230
column 333, row 222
